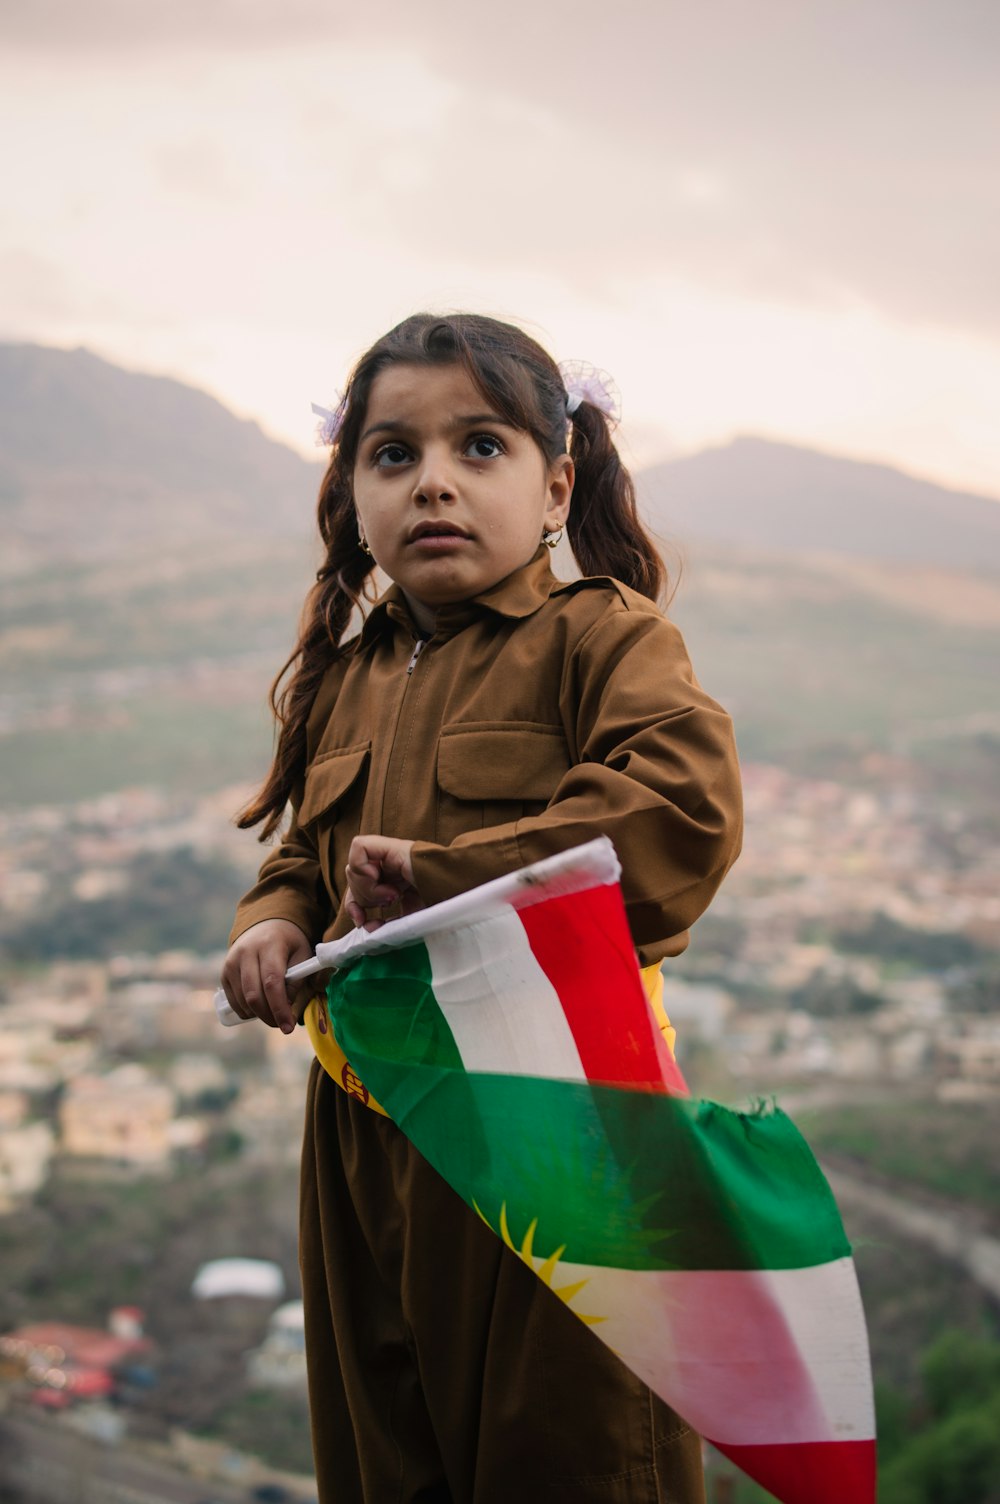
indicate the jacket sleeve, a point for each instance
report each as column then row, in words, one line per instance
column 655, row 770
column 290, row 883
column 289, row 886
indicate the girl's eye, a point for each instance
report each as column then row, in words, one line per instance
column 484, row 447
column 391, row 454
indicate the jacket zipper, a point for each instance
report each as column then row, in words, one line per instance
column 418, row 649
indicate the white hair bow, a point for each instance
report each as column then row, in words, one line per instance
column 588, row 383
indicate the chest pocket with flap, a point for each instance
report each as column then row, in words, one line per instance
column 491, row 775
column 331, row 806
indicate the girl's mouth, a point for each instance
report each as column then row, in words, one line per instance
column 431, row 537
column 439, row 543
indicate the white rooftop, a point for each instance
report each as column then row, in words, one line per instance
column 256, row 1277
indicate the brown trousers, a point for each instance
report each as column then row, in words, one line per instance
column 441, row 1370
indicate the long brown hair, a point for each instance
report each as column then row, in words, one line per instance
column 522, row 382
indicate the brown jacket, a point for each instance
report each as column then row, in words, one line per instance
column 537, row 716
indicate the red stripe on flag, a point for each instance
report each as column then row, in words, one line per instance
column 810, row 1472
column 583, row 945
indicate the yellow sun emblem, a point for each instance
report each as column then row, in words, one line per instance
column 544, row 1268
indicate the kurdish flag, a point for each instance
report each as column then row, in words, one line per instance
column 508, row 1034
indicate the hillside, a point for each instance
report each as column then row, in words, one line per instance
column 158, row 673
column 96, row 462
column 811, row 653
column 780, row 498
column 187, row 534
column 94, row 458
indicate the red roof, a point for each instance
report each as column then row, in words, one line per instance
column 86, row 1383
column 61, row 1341
column 50, row 1399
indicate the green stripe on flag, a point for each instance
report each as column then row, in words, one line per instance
column 395, row 1012
column 621, row 1178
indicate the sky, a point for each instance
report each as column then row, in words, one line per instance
column 778, row 217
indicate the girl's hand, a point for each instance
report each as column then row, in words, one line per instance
column 379, row 872
column 253, row 976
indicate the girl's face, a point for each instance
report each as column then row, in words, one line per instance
column 449, row 497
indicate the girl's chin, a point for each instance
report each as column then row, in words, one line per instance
column 448, row 578
column 443, row 582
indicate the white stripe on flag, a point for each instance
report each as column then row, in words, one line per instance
column 503, row 1011
column 747, row 1357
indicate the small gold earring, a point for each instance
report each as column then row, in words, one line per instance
column 552, row 540
column 363, row 545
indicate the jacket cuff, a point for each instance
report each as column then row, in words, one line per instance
column 278, row 906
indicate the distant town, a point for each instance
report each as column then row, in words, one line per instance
column 854, row 946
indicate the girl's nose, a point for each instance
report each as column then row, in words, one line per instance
column 434, row 480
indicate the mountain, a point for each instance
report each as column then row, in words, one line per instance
column 96, row 461
column 777, row 498
column 157, row 551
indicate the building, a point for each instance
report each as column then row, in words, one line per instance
column 67, row 1362
column 125, row 1115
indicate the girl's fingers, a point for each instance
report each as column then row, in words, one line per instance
column 379, row 870
column 379, row 873
column 358, row 916
column 234, row 997
column 371, row 895
column 253, row 988
column 263, row 983
column 272, row 977
column 253, row 975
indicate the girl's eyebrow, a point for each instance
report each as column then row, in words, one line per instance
column 465, row 420
column 470, row 419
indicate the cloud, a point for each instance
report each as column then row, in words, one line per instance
column 196, row 166
column 251, row 192
column 41, row 296
column 834, row 153
column 106, row 26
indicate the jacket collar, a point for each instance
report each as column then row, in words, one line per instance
column 521, row 594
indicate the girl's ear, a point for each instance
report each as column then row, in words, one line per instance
column 561, row 476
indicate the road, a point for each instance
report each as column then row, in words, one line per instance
column 953, row 1233
column 49, row 1463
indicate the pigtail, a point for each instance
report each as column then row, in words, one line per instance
column 338, row 590
column 604, row 527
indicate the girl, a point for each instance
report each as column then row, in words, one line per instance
column 485, row 715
